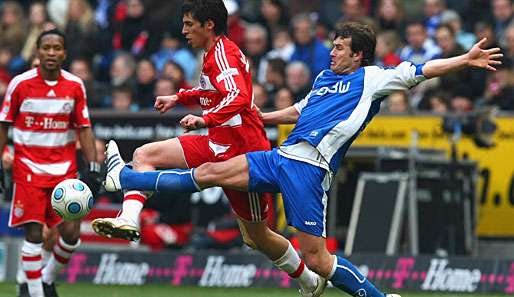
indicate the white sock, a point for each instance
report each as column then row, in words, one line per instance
column 291, row 263
column 60, row 257
column 133, row 202
column 31, row 262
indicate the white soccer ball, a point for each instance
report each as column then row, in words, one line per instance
column 72, row 199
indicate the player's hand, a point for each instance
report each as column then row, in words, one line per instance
column 192, row 122
column 484, row 58
column 165, row 103
column 93, row 178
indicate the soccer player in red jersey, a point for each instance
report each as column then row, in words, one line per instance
column 46, row 106
column 234, row 128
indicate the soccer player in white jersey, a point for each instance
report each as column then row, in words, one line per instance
column 342, row 101
column 46, row 107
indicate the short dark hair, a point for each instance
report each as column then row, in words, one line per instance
column 447, row 27
column 204, row 10
column 362, row 37
column 51, row 32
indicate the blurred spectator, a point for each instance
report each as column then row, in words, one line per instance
column 5, row 76
column 256, row 46
column 9, row 62
column 503, row 16
column 387, row 44
column 438, row 103
column 500, row 86
column 122, row 99
column 57, row 10
column 465, row 39
column 509, row 38
column 175, row 72
column 352, row 11
column 146, row 76
column 274, row 17
column 137, row 33
column 420, row 47
column 398, row 102
column 260, row 96
column 283, row 99
column 298, row 79
column 96, row 91
column 283, row 48
column 275, row 75
column 12, row 26
column 462, row 102
column 479, row 76
column 433, row 10
column 485, row 30
column 308, row 49
column 390, row 16
column 122, row 70
column 235, row 27
column 37, row 18
column 172, row 50
column 164, row 87
column 452, row 82
column 80, row 30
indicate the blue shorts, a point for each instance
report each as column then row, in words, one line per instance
column 303, row 187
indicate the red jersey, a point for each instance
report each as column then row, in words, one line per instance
column 226, row 97
column 45, row 115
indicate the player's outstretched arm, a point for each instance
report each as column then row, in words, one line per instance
column 287, row 115
column 475, row 57
column 165, row 103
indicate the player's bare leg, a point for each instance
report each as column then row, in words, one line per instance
column 343, row 274
column 280, row 251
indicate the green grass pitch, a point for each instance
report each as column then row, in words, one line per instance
column 88, row 290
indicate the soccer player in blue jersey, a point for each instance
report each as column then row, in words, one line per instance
column 342, row 101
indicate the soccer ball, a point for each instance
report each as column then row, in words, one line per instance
column 72, row 199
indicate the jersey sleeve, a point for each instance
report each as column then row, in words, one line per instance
column 230, row 82
column 11, row 103
column 81, row 112
column 189, row 96
column 382, row 82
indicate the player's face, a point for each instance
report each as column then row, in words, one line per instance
column 51, row 53
column 195, row 33
column 342, row 59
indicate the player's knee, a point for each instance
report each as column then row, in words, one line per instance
column 140, row 154
column 314, row 261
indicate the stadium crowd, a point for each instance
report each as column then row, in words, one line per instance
column 130, row 51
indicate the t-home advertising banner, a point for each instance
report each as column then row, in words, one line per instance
column 424, row 273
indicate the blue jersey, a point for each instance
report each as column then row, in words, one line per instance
column 338, row 108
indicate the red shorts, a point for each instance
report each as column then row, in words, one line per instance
column 248, row 206
column 32, row 204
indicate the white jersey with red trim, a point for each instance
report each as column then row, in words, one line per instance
column 45, row 116
column 226, row 97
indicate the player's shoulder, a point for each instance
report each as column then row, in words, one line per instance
column 25, row 76
column 71, row 77
column 21, row 80
column 227, row 47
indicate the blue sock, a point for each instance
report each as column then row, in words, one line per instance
column 347, row 278
column 169, row 181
